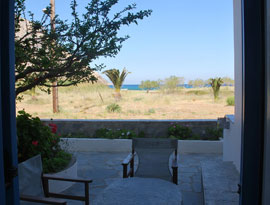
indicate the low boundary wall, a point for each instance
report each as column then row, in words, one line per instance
column 151, row 128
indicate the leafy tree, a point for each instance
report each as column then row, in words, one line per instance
column 148, row 85
column 197, row 83
column 228, row 81
column 117, row 79
column 63, row 53
column 171, row 83
column 215, row 84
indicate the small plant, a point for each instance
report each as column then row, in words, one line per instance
column 213, row 133
column 230, row 101
column 34, row 137
column 137, row 99
column 179, row 132
column 151, row 111
column 113, row 108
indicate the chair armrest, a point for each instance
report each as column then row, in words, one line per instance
column 174, row 163
column 42, row 200
column 52, row 177
column 128, row 159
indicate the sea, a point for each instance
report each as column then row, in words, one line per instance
column 137, row 86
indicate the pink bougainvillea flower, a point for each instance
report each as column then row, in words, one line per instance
column 53, row 127
column 35, row 143
column 54, row 130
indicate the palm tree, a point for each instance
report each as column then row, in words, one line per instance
column 117, row 79
column 215, row 84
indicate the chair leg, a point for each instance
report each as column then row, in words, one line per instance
column 86, row 193
column 45, row 183
column 132, row 167
column 175, row 175
column 124, row 170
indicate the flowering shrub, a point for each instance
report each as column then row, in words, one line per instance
column 179, row 132
column 34, row 137
column 116, row 134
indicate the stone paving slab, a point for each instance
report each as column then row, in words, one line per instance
column 220, row 181
column 140, row 191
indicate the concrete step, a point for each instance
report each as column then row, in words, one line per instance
column 220, row 183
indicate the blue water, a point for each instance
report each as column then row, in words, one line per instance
column 136, row 87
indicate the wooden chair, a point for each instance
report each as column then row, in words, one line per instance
column 153, row 154
column 34, row 185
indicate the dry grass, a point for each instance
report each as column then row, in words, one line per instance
column 90, row 101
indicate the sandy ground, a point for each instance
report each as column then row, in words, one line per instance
column 90, row 101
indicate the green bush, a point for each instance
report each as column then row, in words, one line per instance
column 213, row 133
column 34, row 137
column 230, row 101
column 116, row 134
column 113, row 108
column 179, row 132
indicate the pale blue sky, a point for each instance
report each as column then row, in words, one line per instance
column 187, row 38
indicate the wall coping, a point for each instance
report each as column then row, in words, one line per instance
column 129, row 120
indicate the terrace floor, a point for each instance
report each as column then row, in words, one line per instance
column 104, row 168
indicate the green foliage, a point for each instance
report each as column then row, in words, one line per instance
column 149, row 85
column 215, row 84
column 137, row 99
column 176, row 131
column 117, row 78
column 63, row 53
column 213, row 133
column 57, row 163
column 116, row 134
column 228, row 81
column 151, row 111
column 197, row 92
column 109, row 134
column 179, row 132
column 113, row 108
column 197, row 83
column 230, row 101
column 36, row 138
column 171, row 83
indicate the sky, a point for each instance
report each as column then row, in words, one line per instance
column 185, row 38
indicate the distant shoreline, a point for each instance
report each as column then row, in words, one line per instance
column 137, row 86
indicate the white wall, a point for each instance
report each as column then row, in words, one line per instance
column 124, row 145
column 232, row 137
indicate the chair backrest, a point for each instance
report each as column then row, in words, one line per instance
column 154, row 154
column 30, row 182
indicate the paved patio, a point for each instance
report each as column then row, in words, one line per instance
column 104, row 168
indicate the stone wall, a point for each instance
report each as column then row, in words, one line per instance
column 151, row 128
